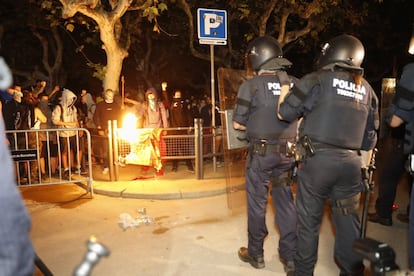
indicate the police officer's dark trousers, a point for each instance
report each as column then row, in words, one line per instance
column 333, row 174
column 389, row 172
column 411, row 232
column 260, row 170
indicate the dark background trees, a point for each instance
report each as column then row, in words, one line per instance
column 162, row 44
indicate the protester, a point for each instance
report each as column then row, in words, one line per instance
column 87, row 99
column 39, row 87
column 15, row 115
column 65, row 116
column 106, row 110
column 13, row 110
column 48, row 148
column 34, row 118
column 180, row 117
column 154, row 115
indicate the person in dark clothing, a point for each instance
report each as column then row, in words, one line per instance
column 21, row 113
column 391, row 169
column 205, row 115
column 34, row 118
column 6, row 95
column 195, row 111
column 402, row 112
column 267, row 165
column 82, row 110
column 107, row 110
column 15, row 115
column 49, row 148
column 180, row 116
column 14, row 111
column 205, row 112
column 339, row 111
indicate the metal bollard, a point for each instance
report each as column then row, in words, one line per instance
column 198, row 142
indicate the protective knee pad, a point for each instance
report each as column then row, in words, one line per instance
column 345, row 206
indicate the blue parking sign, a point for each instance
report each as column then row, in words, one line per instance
column 212, row 26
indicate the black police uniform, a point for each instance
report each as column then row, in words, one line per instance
column 256, row 108
column 403, row 107
column 389, row 172
column 403, row 104
column 339, row 119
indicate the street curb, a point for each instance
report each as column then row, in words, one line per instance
column 167, row 195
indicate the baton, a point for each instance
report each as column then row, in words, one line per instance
column 367, row 175
column 42, row 266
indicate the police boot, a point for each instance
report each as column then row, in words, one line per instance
column 288, row 266
column 256, row 262
column 356, row 271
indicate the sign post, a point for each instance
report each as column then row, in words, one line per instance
column 212, row 30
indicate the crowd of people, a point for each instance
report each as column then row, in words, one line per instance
column 37, row 108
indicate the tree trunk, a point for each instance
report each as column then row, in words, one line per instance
column 115, row 59
column 115, row 55
column 110, row 28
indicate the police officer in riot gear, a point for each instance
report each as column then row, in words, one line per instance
column 402, row 110
column 340, row 118
column 267, row 166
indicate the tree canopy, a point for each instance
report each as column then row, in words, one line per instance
column 87, row 44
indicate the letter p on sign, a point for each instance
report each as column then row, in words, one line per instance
column 211, row 21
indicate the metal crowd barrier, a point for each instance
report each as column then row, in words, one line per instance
column 27, row 146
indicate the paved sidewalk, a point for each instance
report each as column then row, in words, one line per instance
column 135, row 183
